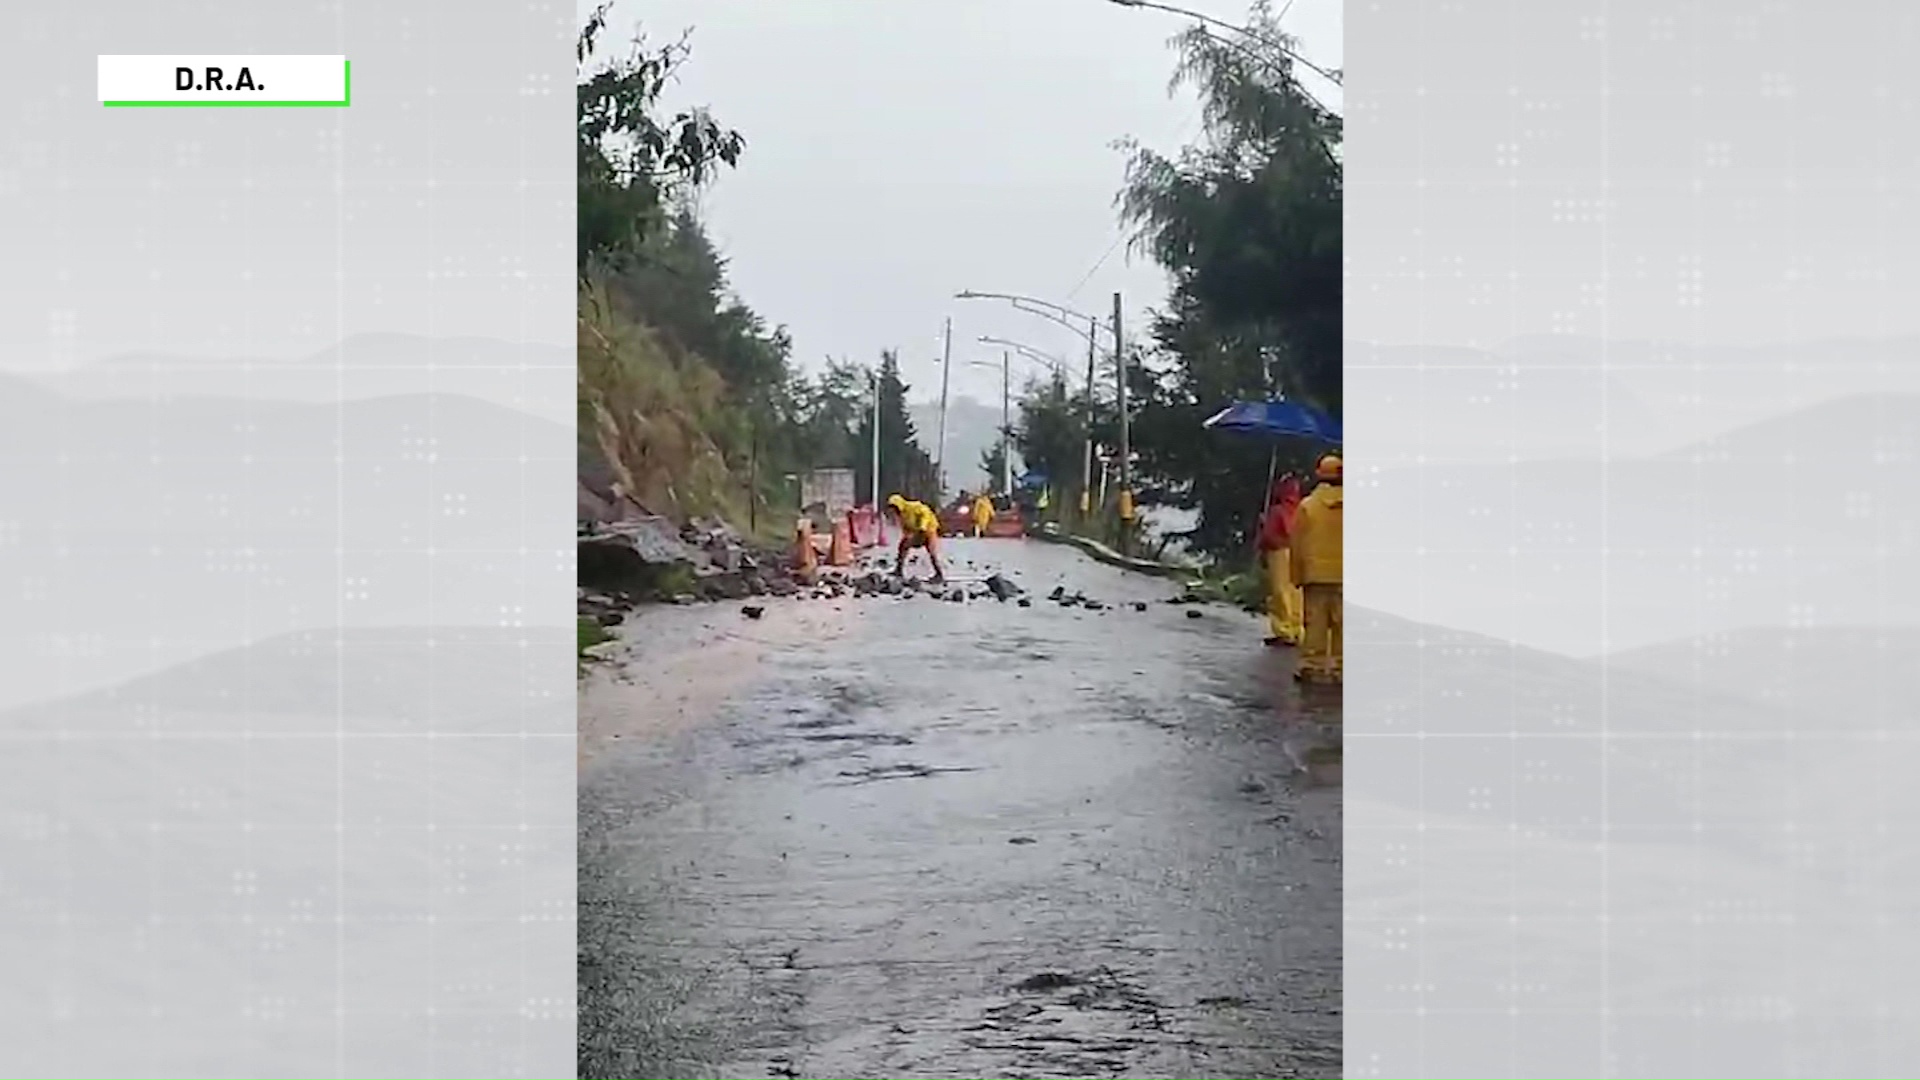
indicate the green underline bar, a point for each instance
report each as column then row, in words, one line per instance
column 345, row 101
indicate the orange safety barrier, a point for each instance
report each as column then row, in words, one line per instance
column 1007, row 524
column 804, row 557
column 865, row 528
column 840, row 549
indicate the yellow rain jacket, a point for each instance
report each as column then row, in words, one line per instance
column 982, row 511
column 917, row 517
column 1317, row 541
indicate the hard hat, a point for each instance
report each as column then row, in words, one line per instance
column 1328, row 468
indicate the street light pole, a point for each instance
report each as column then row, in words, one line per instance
column 1086, row 461
column 1006, row 424
column 1126, row 440
column 876, row 444
column 940, row 455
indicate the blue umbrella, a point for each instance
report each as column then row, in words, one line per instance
column 1273, row 421
column 1276, row 420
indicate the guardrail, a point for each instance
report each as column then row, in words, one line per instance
column 1100, row 552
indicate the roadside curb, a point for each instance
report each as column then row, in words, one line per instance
column 1100, row 552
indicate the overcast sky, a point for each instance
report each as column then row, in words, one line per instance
column 899, row 151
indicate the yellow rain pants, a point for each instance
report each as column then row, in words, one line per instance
column 1321, row 647
column 1283, row 599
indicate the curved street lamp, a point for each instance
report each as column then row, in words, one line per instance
column 1016, row 298
column 1054, row 363
column 1064, row 315
column 1046, row 309
column 1061, row 314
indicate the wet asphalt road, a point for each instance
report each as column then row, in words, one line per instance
column 972, row 840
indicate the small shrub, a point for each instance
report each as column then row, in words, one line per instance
column 587, row 634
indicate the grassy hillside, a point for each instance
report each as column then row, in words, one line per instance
column 659, row 424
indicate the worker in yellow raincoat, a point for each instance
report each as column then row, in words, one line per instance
column 1316, row 553
column 1276, row 543
column 919, row 528
column 982, row 514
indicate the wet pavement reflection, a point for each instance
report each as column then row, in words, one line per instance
column 972, row 840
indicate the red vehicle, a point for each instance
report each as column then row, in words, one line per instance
column 1007, row 523
column 956, row 519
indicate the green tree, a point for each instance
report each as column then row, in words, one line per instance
column 630, row 161
column 1247, row 223
column 836, row 404
column 687, row 397
column 1051, row 434
column 905, row 468
column 993, row 461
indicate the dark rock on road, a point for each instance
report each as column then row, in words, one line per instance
column 1001, row 588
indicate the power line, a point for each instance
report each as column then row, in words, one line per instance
column 1098, row 263
column 1186, row 129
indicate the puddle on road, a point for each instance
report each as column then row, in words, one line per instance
column 1043, row 982
column 1020, row 646
column 784, row 763
column 1060, row 1023
column 865, row 738
column 819, row 721
column 1316, row 757
column 1043, row 927
column 851, row 697
column 899, row 772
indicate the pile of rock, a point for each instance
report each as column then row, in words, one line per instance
column 1061, row 596
column 643, row 559
column 870, row 581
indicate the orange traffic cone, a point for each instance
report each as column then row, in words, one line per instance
column 840, row 550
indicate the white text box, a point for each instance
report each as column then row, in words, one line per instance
column 225, row 80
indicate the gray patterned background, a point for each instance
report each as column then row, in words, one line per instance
column 286, row 685
column 1634, row 391
column 286, row 701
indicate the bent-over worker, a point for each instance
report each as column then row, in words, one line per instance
column 919, row 528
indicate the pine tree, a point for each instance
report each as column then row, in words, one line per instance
column 905, row 468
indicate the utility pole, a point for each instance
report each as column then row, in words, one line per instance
column 940, row 455
column 1006, row 424
column 1086, row 460
column 1126, row 441
column 876, row 443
